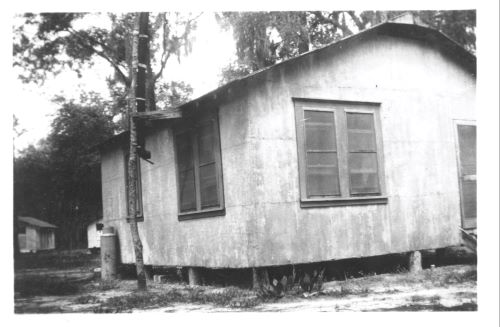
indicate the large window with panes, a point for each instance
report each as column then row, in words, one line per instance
column 340, row 153
column 199, row 172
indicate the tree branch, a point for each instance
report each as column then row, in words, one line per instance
column 85, row 42
column 356, row 20
column 166, row 51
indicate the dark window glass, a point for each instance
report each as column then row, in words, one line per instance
column 205, row 144
column 198, row 169
column 184, row 152
column 187, row 190
column 208, row 175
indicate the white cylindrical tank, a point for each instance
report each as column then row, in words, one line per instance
column 109, row 254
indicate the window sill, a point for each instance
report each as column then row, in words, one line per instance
column 354, row 201
column 138, row 219
column 202, row 214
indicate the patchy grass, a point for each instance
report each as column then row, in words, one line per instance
column 87, row 299
column 75, row 292
column 433, row 307
column 57, row 259
column 40, row 309
column 47, row 286
column 460, row 277
column 230, row 297
column 106, row 285
column 418, row 298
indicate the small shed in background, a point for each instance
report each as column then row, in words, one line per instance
column 35, row 235
column 94, row 231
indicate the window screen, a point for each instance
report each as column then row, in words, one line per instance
column 339, row 150
column 207, row 169
column 322, row 177
column 362, row 157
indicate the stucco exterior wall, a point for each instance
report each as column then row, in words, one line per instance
column 420, row 92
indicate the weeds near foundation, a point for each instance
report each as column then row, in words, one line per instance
column 308, row 284
column 435, row 299
column 86, row 299
column 349, row 290
column 459, row 277
column 418, row 298
column 106, row 285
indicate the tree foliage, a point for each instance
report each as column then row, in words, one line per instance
column 59, row 180
column 265, row 38
column 46, row 44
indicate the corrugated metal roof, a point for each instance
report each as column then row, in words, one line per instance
column 35, row 222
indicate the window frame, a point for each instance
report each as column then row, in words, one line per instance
column 191, row 126
column 456, row 123
column 139, row 215
column 340, row 110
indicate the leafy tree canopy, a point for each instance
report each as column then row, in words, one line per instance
column 265, row 38
column 46, row 44
column 59, row 180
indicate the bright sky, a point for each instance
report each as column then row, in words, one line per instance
column 213, row 48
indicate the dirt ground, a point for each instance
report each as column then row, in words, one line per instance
column 78, row 289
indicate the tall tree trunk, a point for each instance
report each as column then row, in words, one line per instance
column 135, row 101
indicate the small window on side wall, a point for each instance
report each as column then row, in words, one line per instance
column 340, row 153
column 199, row 172
column 138, row 213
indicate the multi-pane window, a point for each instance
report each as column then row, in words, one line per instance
column 339, row 148
column 362, row 148
column 199, row 174
column 322, row 172
column 138, row 199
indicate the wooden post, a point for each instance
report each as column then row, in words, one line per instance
column 255, row 279
column 148, row 270
column 260, row 278
column 415, row 262
column 194, row 275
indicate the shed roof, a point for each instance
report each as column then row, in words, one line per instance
column 35, row 222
